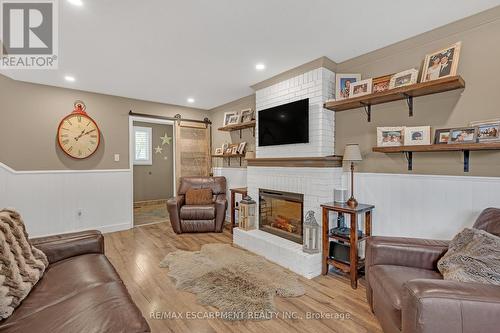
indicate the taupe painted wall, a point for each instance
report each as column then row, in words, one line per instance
column 479, row 66
column 156, row 181
column 30, row 114
column 219, row 137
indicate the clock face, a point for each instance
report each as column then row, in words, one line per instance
column 78, row 135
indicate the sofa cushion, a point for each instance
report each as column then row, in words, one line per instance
column 78, row 294
column 199, row 196
column 197, row 212
column 390, row 279
column 387, row 284
column 473, row 256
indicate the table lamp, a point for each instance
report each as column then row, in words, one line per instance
column 352, row 154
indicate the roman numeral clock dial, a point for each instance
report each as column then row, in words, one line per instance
column 78, row 134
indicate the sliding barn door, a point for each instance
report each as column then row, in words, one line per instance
column 192, row 149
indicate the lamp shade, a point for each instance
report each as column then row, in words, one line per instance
column 352, row 153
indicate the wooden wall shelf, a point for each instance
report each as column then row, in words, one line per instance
column 466, row 148
column 239, row 127
column 229, row 156
column 404, row 93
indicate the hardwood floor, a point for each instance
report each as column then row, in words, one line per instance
column 136, row 255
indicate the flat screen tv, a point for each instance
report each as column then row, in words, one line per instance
column 284, row 124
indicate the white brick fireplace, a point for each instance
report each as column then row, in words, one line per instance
column 315, row 183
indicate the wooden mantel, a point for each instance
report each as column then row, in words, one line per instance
column 298, row 162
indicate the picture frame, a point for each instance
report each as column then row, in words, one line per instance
column 234, row 150
column 224, row 147
column 463, row 135
column 218, row 151
column 442, row 63
column 442, row 136
column 361, row 88
column 233, row 120
column 343, row 84
column 487, row 130
column 228, row 151
column 241, row 147
column 227, row 117
column 390, row 136
column 381, row 83
column 404, row 78
column 417, row 136
column 247, row 115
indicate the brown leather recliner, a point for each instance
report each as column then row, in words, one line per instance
column 199, row 218
column 80, row 291
column 408, row 294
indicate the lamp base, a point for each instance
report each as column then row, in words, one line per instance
column 353, row 203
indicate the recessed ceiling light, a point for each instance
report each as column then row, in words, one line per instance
column 190, row 100
column 78, row 3
column 70, row 78
column 260, row 67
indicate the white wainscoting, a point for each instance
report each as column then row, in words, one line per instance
column 235, row 177
column 49, row 201
column 425, row 206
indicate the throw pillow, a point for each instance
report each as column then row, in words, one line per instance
column 473, row 256
column 199, row 196
column 21, row 264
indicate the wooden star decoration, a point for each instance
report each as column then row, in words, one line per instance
column 158, row 150
column 165, row 140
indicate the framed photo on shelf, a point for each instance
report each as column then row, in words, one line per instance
column 390, row 136
column 381, row 83
column 415, row 136
column 442, row 63
column 228, row 151
column 404, row 78
column 442, row 136
column 233, row 120
column 361, row 88
column 241, row 147
column 487, row 130
column 218, row 151
column 343, row 85
column 227, row 117
column 234, row 150
column 463, row 135
column 247, row 115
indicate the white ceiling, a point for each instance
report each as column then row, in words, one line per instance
column 167, row 51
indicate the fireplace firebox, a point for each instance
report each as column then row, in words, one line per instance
column 281, row 214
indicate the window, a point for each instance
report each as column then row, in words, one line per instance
column 143, row 147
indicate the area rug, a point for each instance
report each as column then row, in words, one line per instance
column 240, row 284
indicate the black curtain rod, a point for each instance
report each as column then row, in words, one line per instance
column 177, row 117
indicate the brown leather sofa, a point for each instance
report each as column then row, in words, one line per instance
column 408, row 294
column 199, row 218
column 79, row 292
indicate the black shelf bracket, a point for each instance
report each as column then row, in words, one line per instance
column 409, row 159
column 368, row 111
column 253, row 131
column 409, row 101
column 240, row 161
column 466, row 160
column 240, row 133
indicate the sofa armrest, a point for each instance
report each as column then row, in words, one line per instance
column 408, row 252
column 60, row 247
column 220, row 212
column 174, row 208
column 450, row 306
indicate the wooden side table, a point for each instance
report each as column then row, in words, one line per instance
column 234, row 191
column 354, row 265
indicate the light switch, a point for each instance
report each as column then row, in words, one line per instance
column 117, row 157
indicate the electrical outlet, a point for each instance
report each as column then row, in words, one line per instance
column 117, row 157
